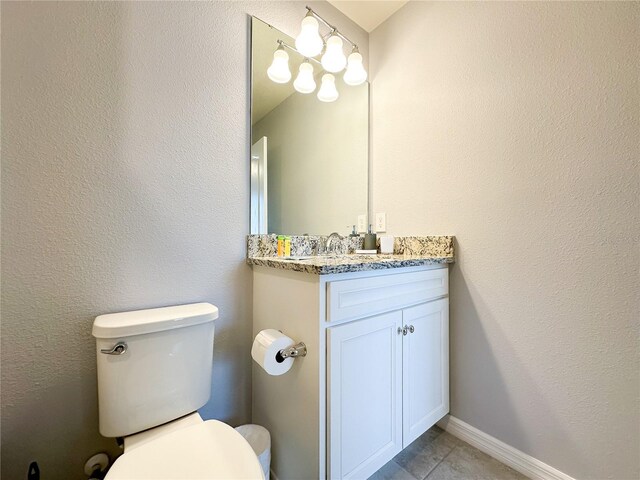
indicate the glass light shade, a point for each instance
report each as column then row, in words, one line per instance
column 328, row 92
column 355, row 74
column 309, row 42
column 304, row 82
column 279, row 69
column 333, row 59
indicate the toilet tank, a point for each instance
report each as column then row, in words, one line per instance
column 158, row 368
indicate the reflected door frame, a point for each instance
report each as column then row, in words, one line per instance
column 259, row 208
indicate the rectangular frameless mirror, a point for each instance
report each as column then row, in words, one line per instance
column 309, row 159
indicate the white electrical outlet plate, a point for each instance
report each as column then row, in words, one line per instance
column 362, row 224
column 381, row 222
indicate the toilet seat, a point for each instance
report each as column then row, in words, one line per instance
column 207, row 450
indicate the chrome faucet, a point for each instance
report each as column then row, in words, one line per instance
column 330, row 238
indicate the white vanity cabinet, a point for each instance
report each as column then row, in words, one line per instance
column 377, row 371
column 388, row 383
column 425, row 368
column 365, row 388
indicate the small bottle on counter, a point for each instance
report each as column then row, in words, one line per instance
column 287, row 246
column 281, row 245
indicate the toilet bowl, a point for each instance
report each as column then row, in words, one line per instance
column 154, row 372
column 203, row 450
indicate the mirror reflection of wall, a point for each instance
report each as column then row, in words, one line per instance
column 315, row 176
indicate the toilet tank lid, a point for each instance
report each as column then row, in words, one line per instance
column 124, row 324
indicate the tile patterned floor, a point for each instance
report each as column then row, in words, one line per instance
column 437, row 455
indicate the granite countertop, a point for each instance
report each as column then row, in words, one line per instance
column 323, row 265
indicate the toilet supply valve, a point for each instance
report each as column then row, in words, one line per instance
column 96, row 467
column 118, row 349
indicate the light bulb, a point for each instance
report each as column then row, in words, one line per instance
column 333, row 59
column 309, row 42
column 328, row 92
column 304, row 82
column 355, row 74
column 279, row 69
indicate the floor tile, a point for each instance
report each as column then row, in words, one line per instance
column 468, row 463
column 392, row 471
column 426, row 452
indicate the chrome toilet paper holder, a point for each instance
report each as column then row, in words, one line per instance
column 294, row 351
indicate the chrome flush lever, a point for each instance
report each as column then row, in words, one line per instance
column 118, row 349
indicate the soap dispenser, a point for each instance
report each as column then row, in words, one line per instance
column 370, row 240
column 353, row 232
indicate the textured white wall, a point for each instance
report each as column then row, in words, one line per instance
column 515, row 127
column 124, row 185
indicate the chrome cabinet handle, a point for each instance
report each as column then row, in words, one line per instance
column 406, row 329
column 118, row 349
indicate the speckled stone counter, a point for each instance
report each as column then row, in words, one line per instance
column 408, row 252
column 323, row 265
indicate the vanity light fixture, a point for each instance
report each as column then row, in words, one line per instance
column 304, row 82
column 355, row 74
column 279, row 70
column 310, row 43
column 328, row 91
column 333, row 60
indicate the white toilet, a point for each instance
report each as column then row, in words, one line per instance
column 154, row 372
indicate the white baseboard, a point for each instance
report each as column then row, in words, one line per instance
column 519, row 461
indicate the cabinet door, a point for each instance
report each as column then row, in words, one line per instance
column 425, row 373
column 365, row 395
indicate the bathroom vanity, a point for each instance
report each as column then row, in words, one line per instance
column 376, row 375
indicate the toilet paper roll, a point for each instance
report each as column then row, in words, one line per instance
column 265, row 349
